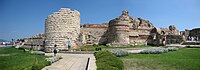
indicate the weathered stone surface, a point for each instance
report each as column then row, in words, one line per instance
column 62, row 27
column 174, row 39
column 118, row 31
column 191, row 35
column 36, row 42
column 125, row 30
column 93, row 33
column 94, row 26
column 167, row 36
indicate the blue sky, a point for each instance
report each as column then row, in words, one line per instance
column 24, row 18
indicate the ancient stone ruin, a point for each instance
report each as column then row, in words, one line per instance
column 191, row 37
column 118, row 31
column 62, row 28
column 126, row 30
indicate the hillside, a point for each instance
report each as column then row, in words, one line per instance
column 2, row 40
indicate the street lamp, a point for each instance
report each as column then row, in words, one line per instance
column 31, row 44
column 12, row 42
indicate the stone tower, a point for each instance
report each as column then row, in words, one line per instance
column 119, row 30
column 62, row 28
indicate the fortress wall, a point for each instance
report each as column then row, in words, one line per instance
column 62, row 27
column 93, row 35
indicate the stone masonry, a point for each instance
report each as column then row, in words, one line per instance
column 126, row 30
column 62, row 28
column 118, row 31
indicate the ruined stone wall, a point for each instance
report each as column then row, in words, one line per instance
column 189, row 34
column 133, row 36
column 62, row 27
column 34, row 43
column 139, row 36
column 41, row 35
column 174, row 39
column 118, row 32
column 195, row 33
column 125, row 30
column 93, row 35
column 140, row 31
column 165, row 36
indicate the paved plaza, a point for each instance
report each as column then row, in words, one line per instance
column 72, row 62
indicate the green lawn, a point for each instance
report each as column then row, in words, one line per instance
column 183, row 59
column 93, row 47
column 107, row 61
column 15, row 59
column 130, row 46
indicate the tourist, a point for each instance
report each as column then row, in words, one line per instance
column 192, row 38
column 55, row 50
column 69, row 46
column 189, row 38
column 31, row 47
column 146, row 42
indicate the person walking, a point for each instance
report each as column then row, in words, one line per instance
column 69, row 46
column 55, row 50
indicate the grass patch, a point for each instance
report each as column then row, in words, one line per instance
column 17, row 59
column 107, row 61
column 183, row 59
column 131, row 46
column 138, row 46
column 102, row 47
column 92, row 47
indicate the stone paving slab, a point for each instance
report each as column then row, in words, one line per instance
column 72, row 62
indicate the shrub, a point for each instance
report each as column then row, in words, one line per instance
column 154, row 50
column 38, row 52
column 21, row 48
column 36, row 67
column 172, row 48
column 107, row 61
column 98, row 49
column 48, row 63
column 53, row 59
column 39, row 66
column 92, row 47
column 192, row 46
column 87, row 48
column 135, row 46
column 118, row 52
column 187, row 46
column 158, row 50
